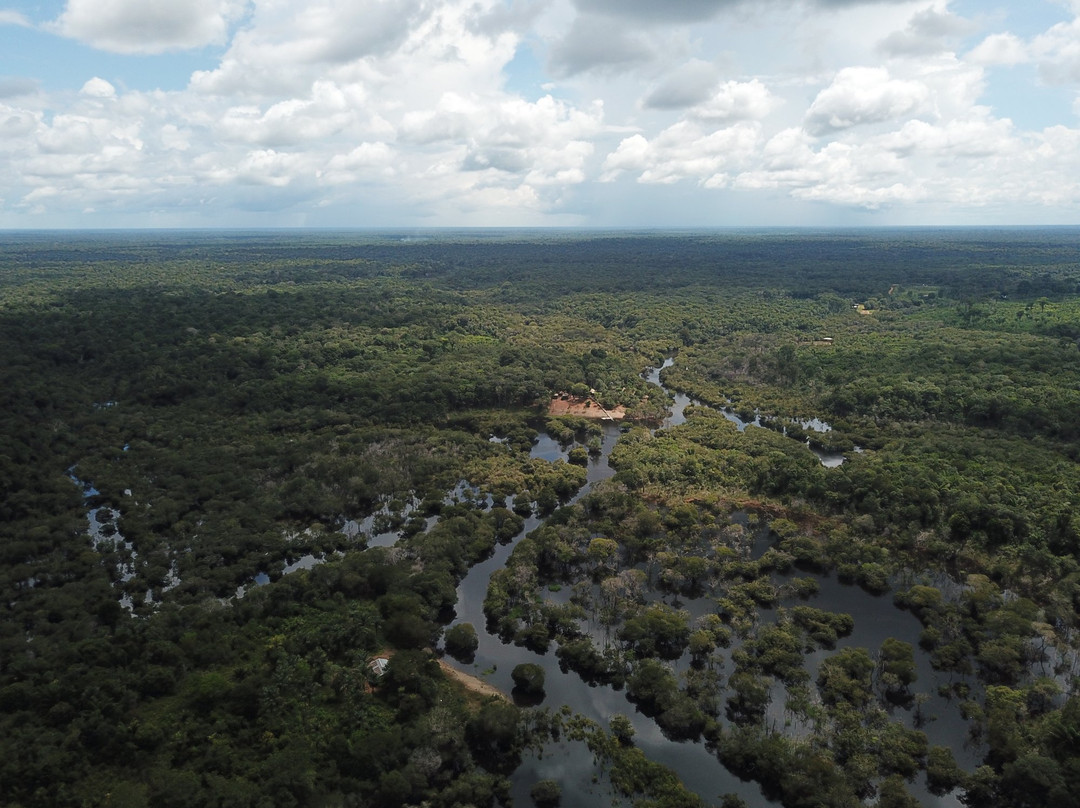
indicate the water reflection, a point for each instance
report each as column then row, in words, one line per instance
column 494, row 661
column 677, row 416
column 931, row 709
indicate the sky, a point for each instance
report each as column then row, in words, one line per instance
column 507, row 113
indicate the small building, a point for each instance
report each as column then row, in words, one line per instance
column 378, row 666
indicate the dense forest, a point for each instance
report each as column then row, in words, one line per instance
column 238, row 467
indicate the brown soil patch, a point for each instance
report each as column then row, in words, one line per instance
column 473, row 684
column 584, row 408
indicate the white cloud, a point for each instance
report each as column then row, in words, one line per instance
column 980, row 136
column 736, row 101
column 16, row 124
column 845, row 174
column 98, row 88
column 409, row 48
column 999, row 49
column 432, row 110
column 689, row 84
column 863, row 95
column 12, row 17
column 326, row 111
column 955, row 87
column 669, row 12
column 544, row 143
column 362, row 162
column 675, row 12
column 684, row 151
column 930, row 30
column 12, row 87
column 1057, row 52
column 972, row 163
column 594, row 43
column 148, row 26
column 175, row 139
column 265, row 167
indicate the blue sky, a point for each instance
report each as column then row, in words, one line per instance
column 605, row 113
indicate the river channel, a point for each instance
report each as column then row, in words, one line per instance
column 571, row 764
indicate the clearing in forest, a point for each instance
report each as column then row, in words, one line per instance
column 587, row 407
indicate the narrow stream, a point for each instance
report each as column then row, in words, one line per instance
column 682, row 401
column 567, row 762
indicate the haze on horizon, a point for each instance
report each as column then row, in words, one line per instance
column 593, row 113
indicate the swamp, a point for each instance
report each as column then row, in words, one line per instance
column 538, row 517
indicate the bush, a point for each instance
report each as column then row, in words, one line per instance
column 462, row 642
column 546, row 794
column 528, row 678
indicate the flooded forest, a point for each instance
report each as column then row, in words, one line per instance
column 738, row 519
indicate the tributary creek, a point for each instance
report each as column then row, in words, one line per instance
column 571, row 764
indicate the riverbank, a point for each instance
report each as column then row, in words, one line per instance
column 474, row 684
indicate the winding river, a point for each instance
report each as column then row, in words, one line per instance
column 572, row 765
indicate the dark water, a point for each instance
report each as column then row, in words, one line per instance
column 571, row 763
column 682, row 401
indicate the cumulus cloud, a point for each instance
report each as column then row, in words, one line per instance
column 1057, row 52
column 368, row 160
column 487, row 111
column 515, row 15
column 690, row 84
column 847, row 174
column 98, row 88
column 975, row 136
column 326, row 111
column 671, row 11
column 301, row 102
column 14, row 86
column 173, row 138
column 594, row 44
column 736, row 101
column 930, row 30
column 148, row 26
column 999, row 49
column 688, row 11
column 863, row 95
column 15, row 124
column 540, row 143
column 974, row 162
column 684, row 151
column 288, row 46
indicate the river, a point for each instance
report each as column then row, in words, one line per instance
column 569, row 763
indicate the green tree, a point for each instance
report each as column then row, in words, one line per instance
column 546, row 794
column 622, row 728
column 462, row 642
column 845, row 677
column 529, row 678
column 897, row 663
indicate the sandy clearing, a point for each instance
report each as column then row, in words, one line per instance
column 585, row 408
column 474, row 684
